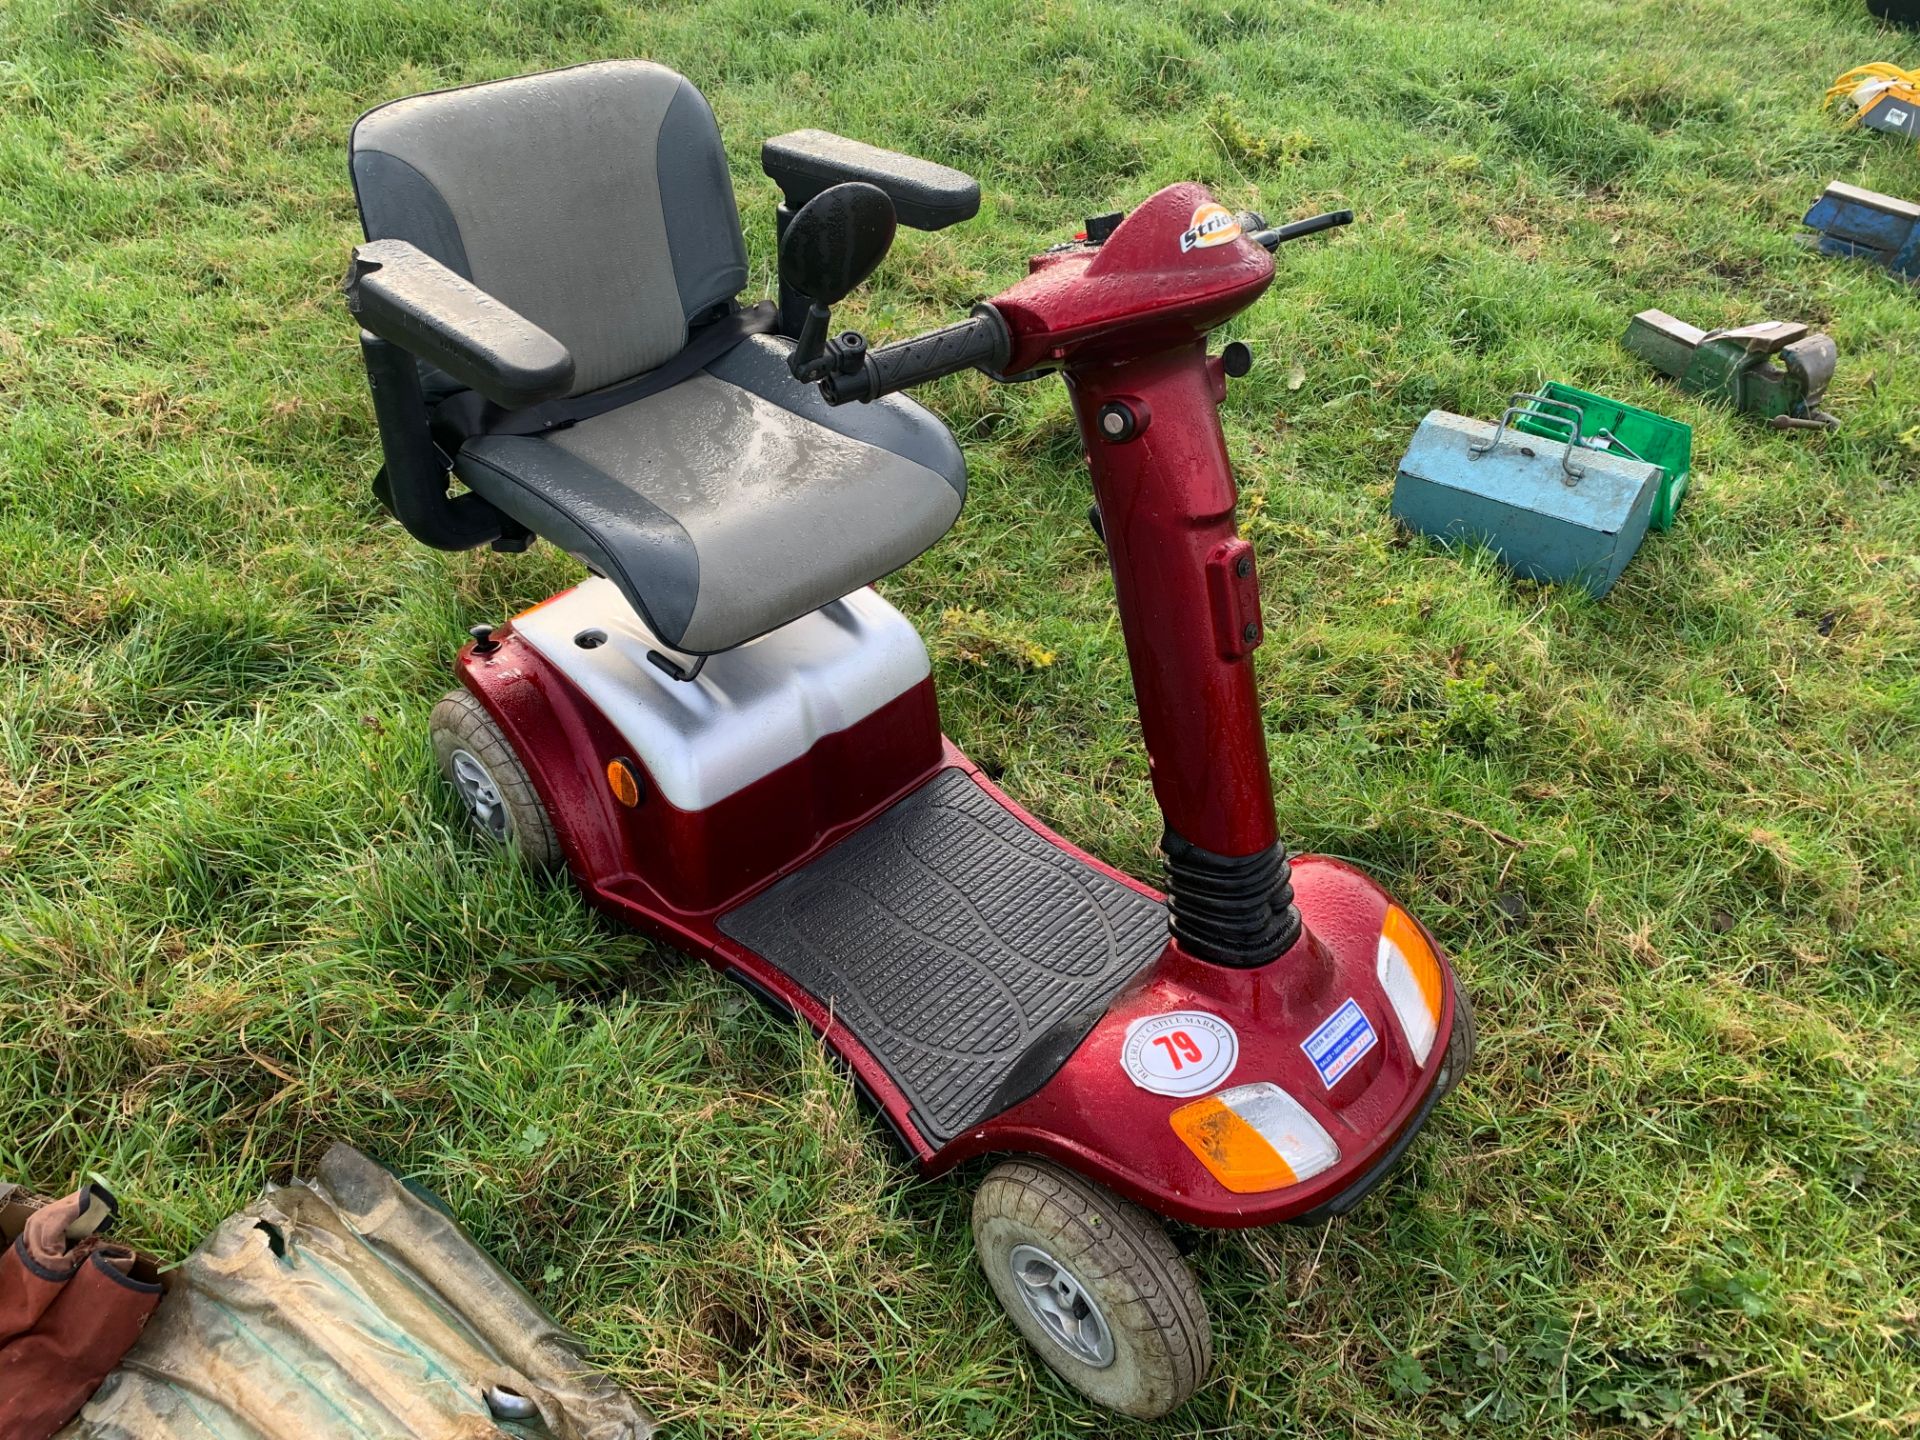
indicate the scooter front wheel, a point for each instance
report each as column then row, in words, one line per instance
column 493, row 786
column 1095, row 1286
column 1461, row 1047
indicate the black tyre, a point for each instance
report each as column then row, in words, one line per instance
column 491, row 782
column 1095, row 1285
column 1461, row 1045
column 1901, row 12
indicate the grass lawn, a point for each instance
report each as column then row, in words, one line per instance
column 1672, row 839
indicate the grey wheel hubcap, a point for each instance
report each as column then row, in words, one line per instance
column 481, row 794
column 1066, row 1311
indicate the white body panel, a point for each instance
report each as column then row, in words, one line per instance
column 751, row 709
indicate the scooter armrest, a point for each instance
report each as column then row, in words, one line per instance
column 403, row 295
column 925, row 195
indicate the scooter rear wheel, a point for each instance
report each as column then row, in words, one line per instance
column 1095, row 1286
column 492, row 784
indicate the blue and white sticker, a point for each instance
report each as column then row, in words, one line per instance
column 1340, row 1042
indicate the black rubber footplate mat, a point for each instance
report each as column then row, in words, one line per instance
column 956, row 944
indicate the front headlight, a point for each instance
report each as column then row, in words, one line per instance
column 1409, row 972
column 1255, row 1137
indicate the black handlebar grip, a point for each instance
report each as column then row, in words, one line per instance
column 1273, row 239
column 981, row 340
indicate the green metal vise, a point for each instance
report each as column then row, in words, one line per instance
column 1737, row 365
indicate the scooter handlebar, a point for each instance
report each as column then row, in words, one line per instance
column 981, row 340
column 1273, row 238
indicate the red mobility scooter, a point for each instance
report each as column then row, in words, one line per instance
column 732, row 742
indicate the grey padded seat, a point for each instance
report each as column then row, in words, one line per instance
column 596, row 202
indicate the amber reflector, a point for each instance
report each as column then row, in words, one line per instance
column 626, row 788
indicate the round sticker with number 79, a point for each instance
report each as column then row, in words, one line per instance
column 1184, row 1052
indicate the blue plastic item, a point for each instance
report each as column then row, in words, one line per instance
column 1866, row 225
column 1551, row 509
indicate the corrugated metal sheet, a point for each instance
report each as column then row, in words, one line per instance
column 348, row 1306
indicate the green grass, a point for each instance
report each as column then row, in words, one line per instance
column 1671, row 838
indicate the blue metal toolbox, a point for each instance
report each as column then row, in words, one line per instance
column 1553, row 510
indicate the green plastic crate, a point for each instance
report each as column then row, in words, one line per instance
column 1625, row 429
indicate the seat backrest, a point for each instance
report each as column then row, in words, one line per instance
column 594, row 200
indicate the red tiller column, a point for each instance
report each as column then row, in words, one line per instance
column 1188, row 598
